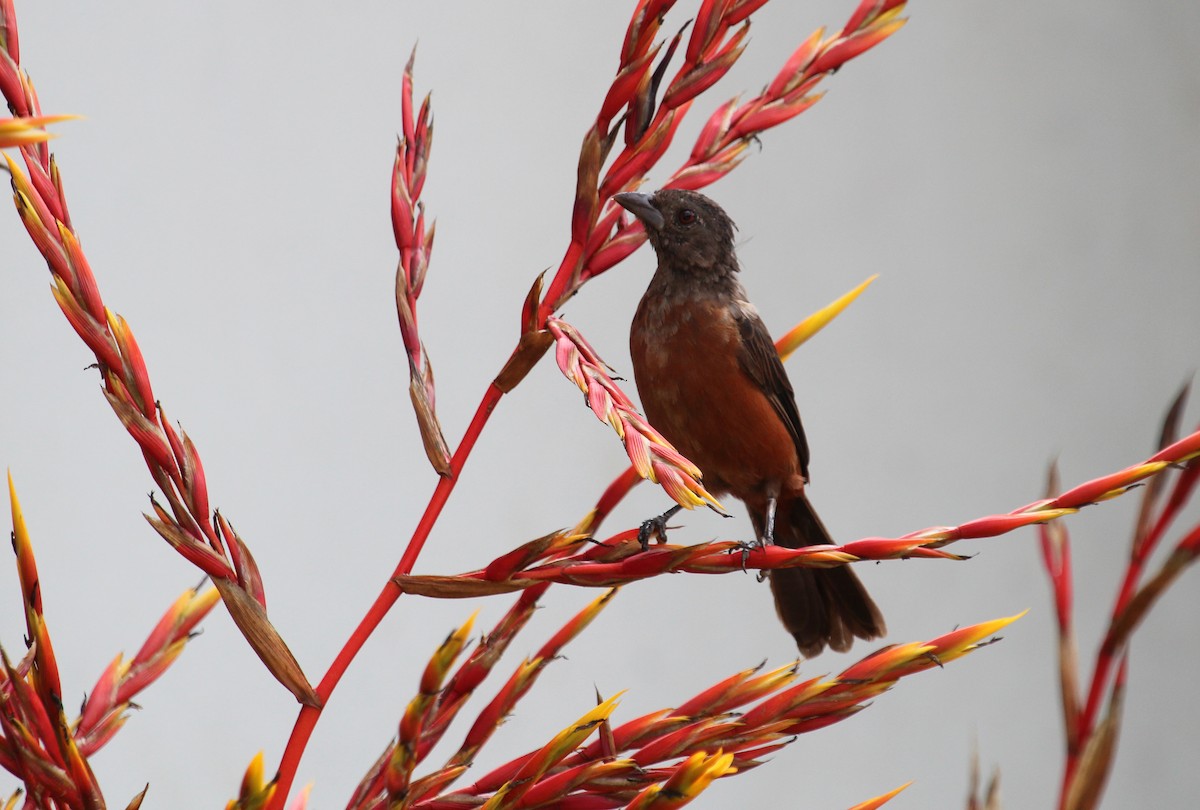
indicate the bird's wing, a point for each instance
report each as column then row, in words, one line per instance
column 759, row 359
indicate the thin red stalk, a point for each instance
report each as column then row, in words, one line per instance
column 1102, row 672
column 307, row 719
column 1107, row 655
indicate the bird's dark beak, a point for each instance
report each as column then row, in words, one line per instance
column 641, row 206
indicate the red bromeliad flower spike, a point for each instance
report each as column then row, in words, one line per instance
column 600, row 235
column 618, row 560
column 652, row 455
column 108, row 704
column 204, row 539
column 731, row 129
column 37, row 743
column 667, row 757
column 1090, row 737
column 415, row 244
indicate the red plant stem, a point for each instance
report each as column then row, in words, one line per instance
column 1056, row 558
column 1107, row 654
column 1103, row 671
column 307, row 719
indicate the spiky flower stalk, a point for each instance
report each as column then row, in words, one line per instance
column 653, row 457
column 619, row 559
column 107, row 706
column 207, row 541
column 37, row 744
column 405, row 751
column 437, row 707
column 1090, row 737
column 601, row 235
column 415, row 244
column 665, row 758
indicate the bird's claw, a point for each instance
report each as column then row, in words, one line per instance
column 655, row 527
column 756, row 545
column 744, row 549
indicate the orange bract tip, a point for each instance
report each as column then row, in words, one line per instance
column 254, row 794
column 814, row 323
column 879, row 801
column 961, row 641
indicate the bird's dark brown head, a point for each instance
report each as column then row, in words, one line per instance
column 687, row 230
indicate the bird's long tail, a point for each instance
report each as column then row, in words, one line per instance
column 819, row 606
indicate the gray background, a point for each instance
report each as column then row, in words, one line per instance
column 1024, row 179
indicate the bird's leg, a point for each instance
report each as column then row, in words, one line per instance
column 656, row 527
column 768, row 536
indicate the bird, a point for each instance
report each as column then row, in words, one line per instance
column 712, row 383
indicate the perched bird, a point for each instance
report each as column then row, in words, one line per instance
column 712, row 383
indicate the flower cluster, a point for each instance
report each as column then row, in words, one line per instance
column 37, row 743
column 415, row 244
column 664, row 758
column 205, row 539
column 652, row 455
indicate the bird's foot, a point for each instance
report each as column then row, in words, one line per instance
column 656, row 527
column 745, row 549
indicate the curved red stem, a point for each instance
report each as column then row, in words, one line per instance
column 307, row 719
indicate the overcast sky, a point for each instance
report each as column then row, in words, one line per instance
column 1025, row 180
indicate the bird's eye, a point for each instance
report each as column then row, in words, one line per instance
column 685, row 216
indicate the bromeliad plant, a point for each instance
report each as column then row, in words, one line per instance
column 663, row 759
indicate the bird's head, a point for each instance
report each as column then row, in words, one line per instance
column 687, row 230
